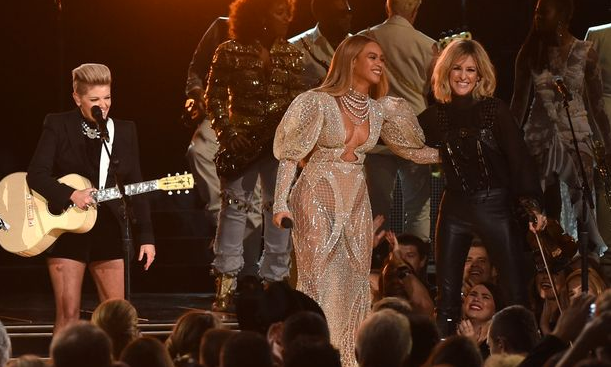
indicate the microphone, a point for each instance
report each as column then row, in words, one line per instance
column 100, row 121
column 562, row 89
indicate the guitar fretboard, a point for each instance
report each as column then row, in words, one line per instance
column 130, row 190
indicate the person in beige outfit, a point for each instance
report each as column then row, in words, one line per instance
column 409, row 56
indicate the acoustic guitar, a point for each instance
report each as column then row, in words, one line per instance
column 27, row 227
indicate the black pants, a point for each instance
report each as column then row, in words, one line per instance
column 488, row 215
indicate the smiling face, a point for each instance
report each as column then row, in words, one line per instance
column 544, row 286
column 479, row 304
column 478, row 268
column 278, row 18
column 463, row 76
column 96, row 95
column 367, row 67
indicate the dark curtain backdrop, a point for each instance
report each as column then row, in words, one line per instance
column 148, row 45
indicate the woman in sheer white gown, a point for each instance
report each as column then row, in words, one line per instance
column 333, row 126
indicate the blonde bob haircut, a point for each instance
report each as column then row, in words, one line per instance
column 88, row 75
column 339, row 77
column 452, row 54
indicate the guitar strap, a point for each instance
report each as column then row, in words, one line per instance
column 104, row 159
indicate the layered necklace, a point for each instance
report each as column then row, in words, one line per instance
column 356, row 105
column 90, row 132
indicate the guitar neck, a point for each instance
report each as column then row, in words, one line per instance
column 130, row 190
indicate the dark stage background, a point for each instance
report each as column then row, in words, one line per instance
column 148, row 45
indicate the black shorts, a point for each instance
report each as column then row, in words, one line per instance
column 102, row 242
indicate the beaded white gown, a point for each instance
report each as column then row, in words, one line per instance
column 548, row 135
column 333, row 228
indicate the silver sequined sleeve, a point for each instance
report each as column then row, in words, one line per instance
column 295, row 137
column 402, row 133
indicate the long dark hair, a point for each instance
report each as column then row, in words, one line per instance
column 534, row 48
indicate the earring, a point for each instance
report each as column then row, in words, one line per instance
column 559, row 28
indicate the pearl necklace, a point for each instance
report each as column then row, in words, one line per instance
column 356, row 105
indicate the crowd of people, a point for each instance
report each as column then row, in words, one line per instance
column 295, row 334
column 297, row 150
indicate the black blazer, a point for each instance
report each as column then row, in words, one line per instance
column 61, row 151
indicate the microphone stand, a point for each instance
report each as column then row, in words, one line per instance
column 585, row 202
column 125, row 211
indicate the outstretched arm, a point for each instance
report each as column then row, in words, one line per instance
column 402, row 133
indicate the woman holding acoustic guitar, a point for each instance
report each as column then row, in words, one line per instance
column 70, row 143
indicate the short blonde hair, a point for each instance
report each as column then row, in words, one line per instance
column 455, row 51
column 339, row 77
column 88, row 75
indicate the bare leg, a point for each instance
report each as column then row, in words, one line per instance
column 108, row 277
column 67, row 280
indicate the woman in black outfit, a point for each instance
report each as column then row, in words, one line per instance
column 70, row 143
column 487, row 169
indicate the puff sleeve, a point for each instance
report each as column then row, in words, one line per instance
column 402, row 133
column 295, row 138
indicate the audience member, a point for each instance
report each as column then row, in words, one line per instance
column 569, row 326
column 596, row 283
column 81, row 344
column 5, row 345
column 246, row 349
column 425, row 338
column 259, row 309
column 478, row 268
column 479, row 306
column 603, row 302
column 513, row 330
column 593, row 362
column 456, row 351
column 420, row 325
column 595, row 335
column 306, row 352
column 146, row 351
column 183, row 343
column 383, row 340
column 402, row 274
column 119, row 319
column 26, row 360
column 546, row 306
column 304, row 324
column 400, row 305
column 211, row 345
column 504, row 360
